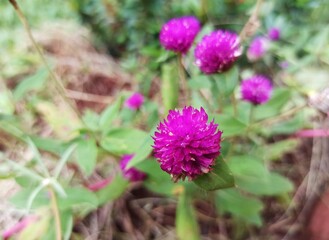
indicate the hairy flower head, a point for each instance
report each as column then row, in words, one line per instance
column 257, row 48
column 178, row 33
column 257, row 89
column 274, row 34
column 135, row 101
column 186, row 144
column 217, row 51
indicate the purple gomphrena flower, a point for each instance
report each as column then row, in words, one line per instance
column 257, row 89
column 185, row 144
column 274, row 34
column 217, row 51
column 134, row 101
column 178, row 33
column 257, row 48
column 132, row 174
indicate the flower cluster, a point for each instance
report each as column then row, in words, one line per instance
column 185, row 144
column 257, row 48
column 217, row 51
column 135, row 101
column 257, row 89
column 132, row 174
column 178, row 34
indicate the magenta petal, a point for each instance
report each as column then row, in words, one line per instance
column 186, row 144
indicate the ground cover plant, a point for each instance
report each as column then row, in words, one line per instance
column 161, row 120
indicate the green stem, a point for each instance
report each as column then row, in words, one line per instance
column 56, row 214
column 183, row 80
column 59, row 86
column 251, row 22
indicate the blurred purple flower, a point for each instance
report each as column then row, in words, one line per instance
column 257, row 89
column 132, row 174
column 134, row 101
column 94, row 187
column 217, row 51
column 18, row 227
column 284, row 64
column 257, row 48
column 178, row 33
column 274, row 34
column 185, row 144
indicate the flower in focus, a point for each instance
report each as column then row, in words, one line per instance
column 257, row 89
column 274, row 34
column 217, row 51
column 185, row 144
column 132, row 174
column 134, row 101
column 178, row 33
column 257, row 48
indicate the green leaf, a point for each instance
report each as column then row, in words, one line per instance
column 200, row 81
column 19, row 199
column 122, row 141
column 244, row 207
column 47, row 144
column 276, row 150
column 230, row 125
column 252, row 176
column 220, row 177
column 86, row 155
column 113, row 190
column 143, row 151
column 273, row 184
column 186, row 222
column 34, row 82
column 227, row 81
column 109, row 114
column 169, row 86
column 287, row 127
column 91, row 120
column 273, row 107
column 157, row 180
column 77, row 196
column 66, row 226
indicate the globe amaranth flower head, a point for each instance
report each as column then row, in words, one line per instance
column 186, row 144
column 257, row 48
column 135, row 101
column 132, row 174
column 178, row 33
column 257, row 89
column 217, row 51
column 274, row 34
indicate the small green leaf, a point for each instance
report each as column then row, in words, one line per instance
column 276, row 150
column 200, row 81
column 241, row 206
column 91, row 120
column 273, row 107
column 220, row 177
column 169, row 86
column 230, row 125
column 186, row 222
column 122, row 141
column 86, row 155
column 157, row 180
column 273, row 184
column 113, row 190
column 109, row 114
column 47, row 144
column 34, row 82
column 78, row 196
column 143, row 151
